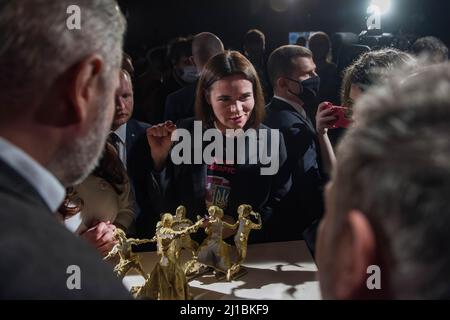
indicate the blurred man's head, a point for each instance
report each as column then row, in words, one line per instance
column 58, row 84
column 320, row 46
column 254, row 43
column 301, row 41
column 387, row 204
column 124, row 100
column 204, row 46
column 180, row 57
column 434, row 50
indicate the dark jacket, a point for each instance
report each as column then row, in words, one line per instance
column 36, row 250
column 304, row 203
column 185, row 184
column 145, row 187
column 180, row 104
column 154, row 108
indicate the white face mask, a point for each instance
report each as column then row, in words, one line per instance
column 190, row 74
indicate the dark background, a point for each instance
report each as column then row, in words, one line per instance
column 154, row 22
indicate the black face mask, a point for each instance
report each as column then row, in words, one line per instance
column 309, row 89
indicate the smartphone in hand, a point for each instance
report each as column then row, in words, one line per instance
column 343, row 116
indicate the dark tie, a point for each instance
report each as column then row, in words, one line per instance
column 115, row 141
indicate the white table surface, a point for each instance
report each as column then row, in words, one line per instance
column 278, row 270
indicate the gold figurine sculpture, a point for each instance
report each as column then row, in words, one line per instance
column 167, row 281
column 214, row 252
column 128, row 259
column 244, row 225
column 180, row 222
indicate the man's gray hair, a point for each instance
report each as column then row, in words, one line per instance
column 394, row 166
column 36, row 45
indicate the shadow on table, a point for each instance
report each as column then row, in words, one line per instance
column 257, row 279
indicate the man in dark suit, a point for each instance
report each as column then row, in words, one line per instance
column 129, row 138
column 181, row 103
column 292, row 73
column 57, row 98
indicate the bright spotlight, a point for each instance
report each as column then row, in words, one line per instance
column 280, row 5
column 380, row 6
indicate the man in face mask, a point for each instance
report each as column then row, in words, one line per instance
column 180, row 104
column 180, row 55
column 292, row 73
column 184, row 73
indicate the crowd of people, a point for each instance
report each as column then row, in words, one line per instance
column 87, row 144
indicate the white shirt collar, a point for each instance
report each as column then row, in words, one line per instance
column 121, row 132
column 45, row 183
column 294, row 105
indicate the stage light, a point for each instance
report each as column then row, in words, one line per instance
column 379, row 6
column 281, row 5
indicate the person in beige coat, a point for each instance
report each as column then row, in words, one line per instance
column 101, row 203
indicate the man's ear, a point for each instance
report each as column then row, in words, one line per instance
column 359, row 252
column 281, row 82
column 85, row 79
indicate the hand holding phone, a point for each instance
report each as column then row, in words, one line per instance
column 343, row 116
